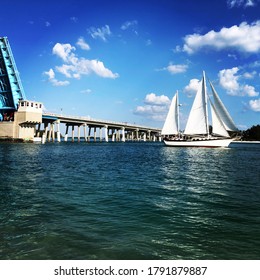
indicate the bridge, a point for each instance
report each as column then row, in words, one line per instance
column 25, row 120
column 92, row 129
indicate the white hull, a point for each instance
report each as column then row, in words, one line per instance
column 207, row 143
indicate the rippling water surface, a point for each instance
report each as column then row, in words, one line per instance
column 128, row 201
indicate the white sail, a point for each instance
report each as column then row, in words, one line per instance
column 222, row 111
column 171, row 123
column 218, row 127
column 198, row 118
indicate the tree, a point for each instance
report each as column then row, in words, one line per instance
column 252, row 133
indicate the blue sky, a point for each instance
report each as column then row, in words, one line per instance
column 124, row 60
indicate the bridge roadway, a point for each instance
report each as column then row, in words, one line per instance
column 115, row 131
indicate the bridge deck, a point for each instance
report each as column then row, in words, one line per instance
column 78, row 120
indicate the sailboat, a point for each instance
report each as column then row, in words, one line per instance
column 197, row 131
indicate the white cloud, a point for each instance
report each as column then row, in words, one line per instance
column 155, row 108
column 75, row 67
column 249, row 91
column 66, row 70
column 248, row 75
column 82, row 44
column 63, row 51
column 229, row 80
column 101, row 33
column 193, row 86
column 244, row 38
column 53, row 80
column 47, row 24
column 255, row 105
column 238, row 3
column 129, row 24
column 176, row 68
column 154, row 112
column 154, row 99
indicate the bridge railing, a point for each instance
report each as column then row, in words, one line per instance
column 106, row 122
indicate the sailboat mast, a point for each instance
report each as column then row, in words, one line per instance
column 178, row 112
column 205, row 100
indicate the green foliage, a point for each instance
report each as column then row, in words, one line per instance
column 252, row 133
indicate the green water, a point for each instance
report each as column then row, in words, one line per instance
column 128, row 201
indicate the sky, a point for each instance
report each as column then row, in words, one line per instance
column 124, row 60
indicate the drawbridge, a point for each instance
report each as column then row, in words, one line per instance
column 11, row 90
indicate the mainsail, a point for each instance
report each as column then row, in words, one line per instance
column 222, row 111
column 198, row 118
column 171, row 125
column 218, row 127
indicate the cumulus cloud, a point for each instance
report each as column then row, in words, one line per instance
column 63, row 51
column 155, row 108
column 255, row 105
column 154, row 99
column 75, row 67
column 82, row 44
column 53, row 80
column 244, row 38
column 101, row 33
column 229, row 79
column 193, row 86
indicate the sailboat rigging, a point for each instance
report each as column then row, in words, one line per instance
column 197, row 131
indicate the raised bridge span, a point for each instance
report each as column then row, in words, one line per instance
column 87, row 128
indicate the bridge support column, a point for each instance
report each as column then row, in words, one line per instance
column 49, row 133
column 66, row 133
column 106, row 133
column 148, row 135
column 78, row 133
column 53, row 132
column 44, row 135
column 123, row 134
column 144, row 136
column 58, row 130
column 137, row 134
column 117, row 135
column 95, row 134
column 72, row 134
column 89, row 131
column 38, row 130
column 100, row 134
column 85, row 131
column 154, row 138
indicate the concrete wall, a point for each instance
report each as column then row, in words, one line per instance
column 7, row 129
column 25, row 119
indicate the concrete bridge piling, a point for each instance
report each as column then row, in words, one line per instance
column 91, row 130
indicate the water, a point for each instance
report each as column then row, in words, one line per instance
column 128, row 201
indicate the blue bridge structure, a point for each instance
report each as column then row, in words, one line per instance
column 11, row 89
